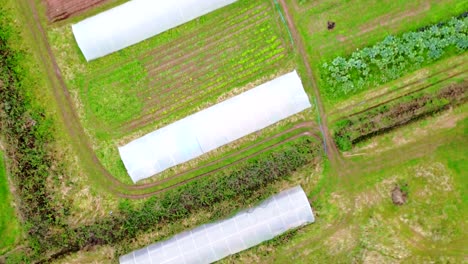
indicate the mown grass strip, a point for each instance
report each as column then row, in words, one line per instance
column 9, row 226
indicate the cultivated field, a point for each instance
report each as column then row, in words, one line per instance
column 403, row 127
column 354, row 32
column 132, row 92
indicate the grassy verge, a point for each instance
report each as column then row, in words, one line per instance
column 9, row 226
column 357, row 221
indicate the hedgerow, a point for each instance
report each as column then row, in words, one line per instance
column 26, row 130
column 354, row 129
column 394, row 56
column 236, row 184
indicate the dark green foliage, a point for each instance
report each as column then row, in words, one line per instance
column 377, row 120
column 27, row 130
column 393, row 57
column 237, row 184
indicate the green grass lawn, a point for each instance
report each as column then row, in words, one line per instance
column 9, row 226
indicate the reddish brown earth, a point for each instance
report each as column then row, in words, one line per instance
column 62, row 9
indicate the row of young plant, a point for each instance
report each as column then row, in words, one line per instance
column 28, row 132
column 357, row 128
column 392, row 57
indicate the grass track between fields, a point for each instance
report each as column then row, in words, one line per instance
column 9, row 227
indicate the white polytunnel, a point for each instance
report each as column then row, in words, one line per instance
column 212, row 242
column 135, row 21
column 214, row 127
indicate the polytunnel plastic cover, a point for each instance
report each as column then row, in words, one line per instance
column 209, row 243
column 135, row 21
column 214, row 127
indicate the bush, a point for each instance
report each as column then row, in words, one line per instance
column 237, row 184
column 359, row 127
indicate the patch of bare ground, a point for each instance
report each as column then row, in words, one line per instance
column 92, row 255
column 374, row 196
column 372, row 257
column 63, row 9
column 342, row 240
column 380, row 237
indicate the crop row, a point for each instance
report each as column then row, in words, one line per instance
column 223, row 52
column 394, row 56
column 193, row 98
column 170, row 42
column 356, row 128
column 213, row 67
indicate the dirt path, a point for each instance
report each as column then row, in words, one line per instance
column 330, row 147
column 62, row 9
column 65, row 103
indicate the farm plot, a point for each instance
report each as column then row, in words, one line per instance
column 134, row 91
column 178, row 77
column 352, row 33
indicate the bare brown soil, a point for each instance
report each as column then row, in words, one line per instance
column 398, row 196
column 63, row 9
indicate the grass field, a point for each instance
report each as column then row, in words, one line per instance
column 9, row 227
column 356, row 219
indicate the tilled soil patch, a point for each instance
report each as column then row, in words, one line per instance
column 61, row 9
